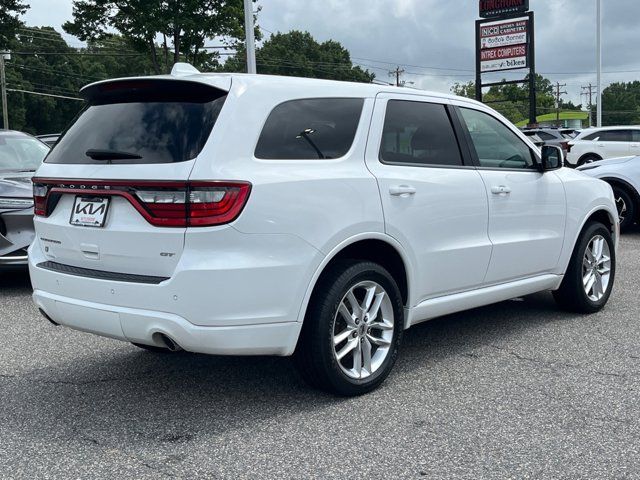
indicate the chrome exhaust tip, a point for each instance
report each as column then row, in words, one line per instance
column 169, row 343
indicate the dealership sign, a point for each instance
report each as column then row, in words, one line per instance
column 503, row 34
column 497, row 8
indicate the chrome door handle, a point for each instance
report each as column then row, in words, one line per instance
column 402, row 190
column 500, row 190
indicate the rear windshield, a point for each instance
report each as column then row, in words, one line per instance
column 140, row 126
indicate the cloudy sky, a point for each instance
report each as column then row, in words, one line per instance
column 433, row 40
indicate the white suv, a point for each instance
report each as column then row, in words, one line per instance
column 254, row 215
column 595, row 144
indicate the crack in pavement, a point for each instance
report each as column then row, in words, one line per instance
column 553, row 364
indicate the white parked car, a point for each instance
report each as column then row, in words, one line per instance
column 255, row 215
column 594, row 144
column 623, row 174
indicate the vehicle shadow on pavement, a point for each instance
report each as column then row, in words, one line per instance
column 123, row 392
column 14, row 279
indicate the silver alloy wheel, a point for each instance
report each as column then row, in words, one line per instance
column 363, row 329
column 622, row 208
column 596, row 268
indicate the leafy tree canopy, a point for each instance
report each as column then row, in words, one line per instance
column 182, row 26
column 298, row 54
column 10, row 11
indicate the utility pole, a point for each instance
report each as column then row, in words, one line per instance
column 250, row 37
column 588, row 92
column 599, row 58
column 397, row 72
column 558, row 95
column 3, row 88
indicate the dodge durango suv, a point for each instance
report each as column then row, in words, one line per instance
column 244, row 214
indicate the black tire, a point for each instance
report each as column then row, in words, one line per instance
column 571, row 295
column 314, row 357
column 153, row 348
column 589, row 158
column 623, row 198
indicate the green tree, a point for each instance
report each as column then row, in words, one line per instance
column 298, row 54
column 512, row 100
column 620, row 104
column 464, row 89
column 10, row 11
column 182, row 25
column 44, row 64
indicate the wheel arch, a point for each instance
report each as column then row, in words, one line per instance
column 587, row 155
column 615, row 181
column 376, row 247
column 600, row 214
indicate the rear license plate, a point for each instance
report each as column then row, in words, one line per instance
column 89, row 211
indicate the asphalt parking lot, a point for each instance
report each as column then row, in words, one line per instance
column 514, row 390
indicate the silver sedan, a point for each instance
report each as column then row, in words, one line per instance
column 20, row 156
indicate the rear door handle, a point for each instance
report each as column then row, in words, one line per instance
column 402, row 190
column 500, row 190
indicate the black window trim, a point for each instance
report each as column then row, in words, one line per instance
column 290, row 160
column 472, row 152
column 457, row 131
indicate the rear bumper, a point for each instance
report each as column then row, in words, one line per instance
column 145, row 326
column 231, row 294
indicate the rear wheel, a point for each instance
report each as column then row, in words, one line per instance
column 588, row 281
column 626, row 207
column 352, row 330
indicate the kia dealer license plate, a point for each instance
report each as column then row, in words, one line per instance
column 89, row 211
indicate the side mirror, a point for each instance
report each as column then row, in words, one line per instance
column 552, row 158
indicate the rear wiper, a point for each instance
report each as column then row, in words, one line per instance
column 111, row 155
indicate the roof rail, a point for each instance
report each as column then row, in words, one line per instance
column 181, row 69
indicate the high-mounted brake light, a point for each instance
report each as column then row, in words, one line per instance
column 163, row 204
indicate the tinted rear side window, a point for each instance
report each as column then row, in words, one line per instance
column 310, row 129
column 615, row 136
column 418, row 133
column 156, row 124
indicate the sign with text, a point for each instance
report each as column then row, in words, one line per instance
column 497, row 8
column 504, row 33
column 503, row 58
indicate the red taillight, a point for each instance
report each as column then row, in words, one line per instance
column 566, row 146
column 163, row 204
column 40, row 199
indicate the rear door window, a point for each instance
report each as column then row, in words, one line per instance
column 418, row 133
column 163, row 122
column 615, row 136
column 308, row 129
column 546, row 136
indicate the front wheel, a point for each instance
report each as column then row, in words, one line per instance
column 626, row 207
column 588, row 281
column 352, row 330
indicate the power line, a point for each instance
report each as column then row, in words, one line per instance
column 588, row 91
column 558, row 94
column 96, row 54
column 43, row 94
column 397, row 72
column 57, row 72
